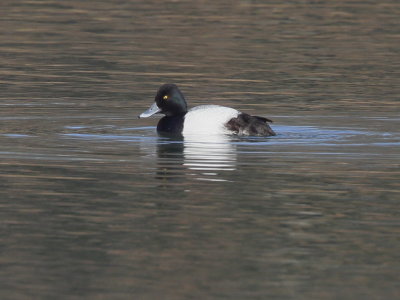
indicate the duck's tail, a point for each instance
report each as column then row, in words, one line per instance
column 245, row 124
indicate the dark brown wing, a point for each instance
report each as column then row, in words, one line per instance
column 244, row 124
column 264, row 119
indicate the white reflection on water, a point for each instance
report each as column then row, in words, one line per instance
column 209, row 154
column 203, row 157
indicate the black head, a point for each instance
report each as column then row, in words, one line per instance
column 169, row 101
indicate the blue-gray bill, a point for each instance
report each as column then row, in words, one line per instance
column 151, row 111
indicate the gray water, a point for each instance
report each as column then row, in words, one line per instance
column 94, row 205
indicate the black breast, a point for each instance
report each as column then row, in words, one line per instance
column 244, row 124
column 173, row 125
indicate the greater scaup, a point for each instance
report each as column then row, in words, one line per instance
column 203, row 119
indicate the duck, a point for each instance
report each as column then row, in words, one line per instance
column 203, row 119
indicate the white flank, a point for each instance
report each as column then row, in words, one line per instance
column 208, row 119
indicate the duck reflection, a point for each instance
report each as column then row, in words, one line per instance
column 206, row 157
column 170, row 158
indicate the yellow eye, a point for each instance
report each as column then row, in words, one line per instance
column 165, row 97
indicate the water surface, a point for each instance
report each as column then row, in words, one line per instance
column 95, row 205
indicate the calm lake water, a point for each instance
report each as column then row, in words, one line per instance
column 94, row 205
